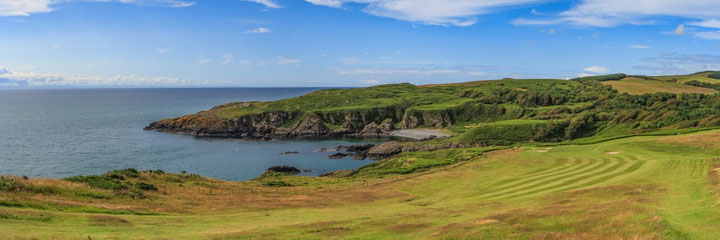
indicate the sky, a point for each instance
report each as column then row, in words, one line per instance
column 347, row 43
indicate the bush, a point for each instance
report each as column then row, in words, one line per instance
column 8, row 184
column 146, row 186
column 601, row 78
column 277, row 184
column 107, row 182
column 715, row 75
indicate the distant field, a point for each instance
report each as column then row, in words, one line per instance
column 701, row 76
column 639, row 86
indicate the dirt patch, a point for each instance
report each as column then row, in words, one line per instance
column 108, row 221
column 541, row 151
column 486, row 221
column 408, row 227
column 612, row 153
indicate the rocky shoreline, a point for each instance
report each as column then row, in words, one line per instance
column 380, row 122
column 274, row 125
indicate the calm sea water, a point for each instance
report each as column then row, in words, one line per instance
column 64, row 132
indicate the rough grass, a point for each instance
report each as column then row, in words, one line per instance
column 638, row 86
column 559, row 192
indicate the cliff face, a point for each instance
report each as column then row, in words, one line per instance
column 342, row 120
column 365, row 122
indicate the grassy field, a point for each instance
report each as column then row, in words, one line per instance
column 701, row 76
column 652, row 187
column 640, row 86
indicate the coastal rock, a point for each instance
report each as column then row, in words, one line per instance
column 289, row 152
column 338, row 173
column 283, row 169
column 338, row 156
column 311, row 125
column 385, row 150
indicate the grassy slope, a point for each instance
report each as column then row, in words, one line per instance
column 640, row 86
column 639, row 188
column 428, row 97
column 701, row 76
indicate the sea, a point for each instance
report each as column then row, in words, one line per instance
column 57, row 133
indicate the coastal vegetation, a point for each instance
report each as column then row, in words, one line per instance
column 586, row 158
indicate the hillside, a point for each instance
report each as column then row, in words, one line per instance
column 542, row 110
column 529, row 159
column 657, row 187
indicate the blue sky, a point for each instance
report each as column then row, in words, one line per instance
column 346, row 43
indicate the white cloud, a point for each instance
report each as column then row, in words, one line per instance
column 29, row 79
column 24, row 7
column 259, row 30
column 226, row 59
column 204, row 61
column 286, row 61
column 243, row 62
column 709, row 23
column 267, row 3
column 434, row 12
column 371, row 81
column 382, row 71
column 680, row 29
column 711, row 35
column 638, row 46
column 27, row 7
column 596, row 69
column 609, row 13
column 680, row 63
column 349, row 61
column 163, row 50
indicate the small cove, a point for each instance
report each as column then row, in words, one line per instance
column 55, row 133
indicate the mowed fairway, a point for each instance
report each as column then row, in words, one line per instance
column 633, row 188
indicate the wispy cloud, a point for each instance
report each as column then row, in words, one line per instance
column 10, row 8
column 609, row 13
column 226, row 59
column 259, row 30
column 596, row 69
column 204, row 61
column 30, row 79
column 286, row 61
column 267, row 3
column 638, row 46
column 163, row 50
column 680, row 63
column 679, row 30
column 434, row 12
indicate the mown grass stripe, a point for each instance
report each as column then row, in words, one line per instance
column 619, row 164
column 634, row 167
column 554, row 178
column 526, row 180
column 557, row 166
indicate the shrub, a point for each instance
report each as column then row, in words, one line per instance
column 715, row 75
column 107, row 182
column 277, row 184
column 146, row 186
column 601, row 78
column 10, row 184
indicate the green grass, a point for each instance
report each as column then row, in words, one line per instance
column 646, row 187
column 508, row 131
